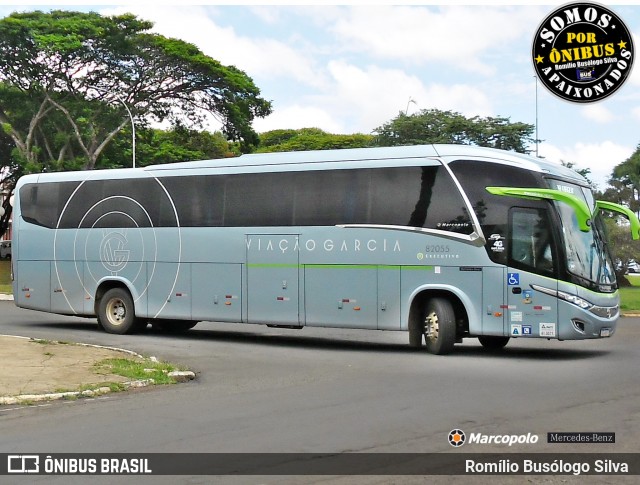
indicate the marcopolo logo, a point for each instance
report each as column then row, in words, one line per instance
column 583, row 52
column 457, row 438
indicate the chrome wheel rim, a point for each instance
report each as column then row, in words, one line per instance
column 431, row 326
column 116, row 312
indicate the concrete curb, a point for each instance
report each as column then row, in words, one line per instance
column 54, row 396
column 178, row 376
column 4, row 297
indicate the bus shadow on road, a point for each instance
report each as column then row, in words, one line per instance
column 530, row 353
column 371, row 341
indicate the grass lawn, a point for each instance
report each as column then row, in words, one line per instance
column 630, row 296
column 5, row 276
column 634, row 279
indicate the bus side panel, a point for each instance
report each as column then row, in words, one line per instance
column 389, row 306
column 494, row 299
column 216, row 292
column 341, row 296
column 34, row 290
column 272, row 279
column 67, row 292
column 169, row 290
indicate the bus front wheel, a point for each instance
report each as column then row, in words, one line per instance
column 116, row 312
column 439, row 326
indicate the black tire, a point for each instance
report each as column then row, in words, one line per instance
column 415, row 337
column 439, row 321
column 116, row 312
column 416, row 328
column 173, row 326
column 493, row 343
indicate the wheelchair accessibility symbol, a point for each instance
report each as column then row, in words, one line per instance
column 513, row 279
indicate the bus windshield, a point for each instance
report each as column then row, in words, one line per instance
column 586, row 252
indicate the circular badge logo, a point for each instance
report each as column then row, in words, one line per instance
column 456, row 438
column 583, row 52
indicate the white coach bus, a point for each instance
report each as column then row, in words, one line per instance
column 445, row 242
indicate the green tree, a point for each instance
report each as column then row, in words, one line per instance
column 78, row 71
column 309, row 139
column 155, row 147
column 624, row 185
column 623, row 248
column 436, row 126
column 585, row 172
column 10, row 171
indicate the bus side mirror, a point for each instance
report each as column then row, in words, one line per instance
column 633, row 219
column 580, row 207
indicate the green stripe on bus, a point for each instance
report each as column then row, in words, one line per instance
column 272, row 265
column 340, row 266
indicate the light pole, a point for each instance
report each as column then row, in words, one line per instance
column 133, row 125
column 411, row 100
column 537, row 139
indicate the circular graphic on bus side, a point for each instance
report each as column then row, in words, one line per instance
column 582, row 52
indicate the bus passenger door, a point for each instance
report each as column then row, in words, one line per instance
column 532, row 262
column 272, row 279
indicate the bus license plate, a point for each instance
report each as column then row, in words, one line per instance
column 605, row 332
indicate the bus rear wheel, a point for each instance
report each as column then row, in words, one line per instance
column 493, row 343
column 116, row 312
column 439, row 326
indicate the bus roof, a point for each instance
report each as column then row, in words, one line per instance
column 379, row 153
column 332, row 158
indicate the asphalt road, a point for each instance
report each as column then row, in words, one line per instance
column 262, row 390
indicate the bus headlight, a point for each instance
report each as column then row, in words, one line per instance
column 601, row 311
column 576, row 300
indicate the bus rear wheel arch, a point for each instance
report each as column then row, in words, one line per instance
column 116, row 311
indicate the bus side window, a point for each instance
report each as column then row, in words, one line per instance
column 531, row 242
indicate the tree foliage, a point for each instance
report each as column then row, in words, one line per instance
column 436, row 126
column 623, row 248
column 68, row 78
column 309, row 139
column 624, row 185
column 155, row 147
column 71, row 83
column 10, row 171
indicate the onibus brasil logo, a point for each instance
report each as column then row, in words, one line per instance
column 582, row 52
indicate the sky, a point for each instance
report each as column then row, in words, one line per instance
column 350, row 68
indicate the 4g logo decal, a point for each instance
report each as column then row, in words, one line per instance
column 582, row 52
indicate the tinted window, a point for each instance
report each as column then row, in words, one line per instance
column 97, row 203
column 42, row 203
column 199, row 200
column 530, row 240
column 403, row 196
column 493, row 210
